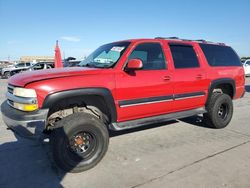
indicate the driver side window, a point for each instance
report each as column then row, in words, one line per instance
column 38, row 66
column 151, row 55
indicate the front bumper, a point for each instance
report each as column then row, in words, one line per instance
column 25, row 124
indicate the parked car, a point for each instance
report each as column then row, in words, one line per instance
column 71, row 63
column 246, row 66
column 6, row 71
column 123, row 85
column 37, row 66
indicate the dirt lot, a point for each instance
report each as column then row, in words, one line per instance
column 180, row 153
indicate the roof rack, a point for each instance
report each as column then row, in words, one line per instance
column 167, row 38
column 198, row 40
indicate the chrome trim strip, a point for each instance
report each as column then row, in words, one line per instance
column 180, row 98
column 152, row 102
column 10, row 86
column 22, row 100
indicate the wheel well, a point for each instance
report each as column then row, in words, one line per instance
column 224, row 88
column 91, row 104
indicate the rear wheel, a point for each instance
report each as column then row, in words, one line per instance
column 80, row 142
column 219, row 111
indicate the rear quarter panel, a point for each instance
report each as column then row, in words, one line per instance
column 235, row 73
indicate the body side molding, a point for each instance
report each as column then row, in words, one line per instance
column 151, row 100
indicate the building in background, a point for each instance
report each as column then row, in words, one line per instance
column 36, row 59
column 5, row 63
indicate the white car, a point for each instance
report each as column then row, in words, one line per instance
column 6, row 71
column 246, row 66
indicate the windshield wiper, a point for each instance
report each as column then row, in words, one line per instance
column 98, row 65
column 88, row 65
column 102, row 65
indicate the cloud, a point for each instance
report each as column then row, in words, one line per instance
column 71, row 38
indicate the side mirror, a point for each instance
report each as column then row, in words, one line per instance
column 134, row 64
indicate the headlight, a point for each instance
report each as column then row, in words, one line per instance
column 23, row 92
column 25, row 107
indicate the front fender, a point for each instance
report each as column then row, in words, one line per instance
column 52, row 99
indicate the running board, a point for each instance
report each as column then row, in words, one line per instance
column 155, row 119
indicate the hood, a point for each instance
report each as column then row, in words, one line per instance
column 26, row 77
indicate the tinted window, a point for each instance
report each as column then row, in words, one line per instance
column 50, row 66
column 28, row 64
column 38, row 66
column 184, row 56
column 151, row 55
column 20, row 65
column 220, row 55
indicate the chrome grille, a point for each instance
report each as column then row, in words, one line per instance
column 10, row 89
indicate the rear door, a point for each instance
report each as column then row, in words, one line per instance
column 190, row 83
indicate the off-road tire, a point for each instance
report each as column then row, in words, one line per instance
column 61, row 139
column 219, row 111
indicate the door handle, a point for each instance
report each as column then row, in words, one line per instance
column 199, row 76
column 167, row 78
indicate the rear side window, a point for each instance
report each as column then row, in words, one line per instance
column 220, row 55
column 184, row 56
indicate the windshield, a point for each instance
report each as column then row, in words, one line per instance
column 105, row 56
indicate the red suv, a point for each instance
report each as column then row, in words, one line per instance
column 123, row 85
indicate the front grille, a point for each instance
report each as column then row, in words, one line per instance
column 10, row 89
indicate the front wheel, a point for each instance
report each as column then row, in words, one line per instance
column 80, row 142
column 219, row 111
column 7, row 74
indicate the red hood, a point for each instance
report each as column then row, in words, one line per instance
column 23, row 79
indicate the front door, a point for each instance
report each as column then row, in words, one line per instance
column 146, row 92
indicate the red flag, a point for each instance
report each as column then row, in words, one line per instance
column 58, row 58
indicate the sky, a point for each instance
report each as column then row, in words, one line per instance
column 29, row 27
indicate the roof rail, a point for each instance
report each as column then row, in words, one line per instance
column 167, row 38
column 198, row 40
